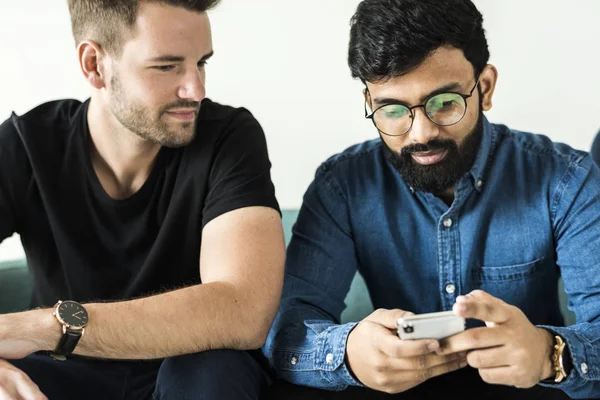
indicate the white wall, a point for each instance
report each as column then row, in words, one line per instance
column 286, row 62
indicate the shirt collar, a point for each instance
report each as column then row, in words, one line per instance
column 478, row 169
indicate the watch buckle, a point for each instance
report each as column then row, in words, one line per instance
column 58, row 357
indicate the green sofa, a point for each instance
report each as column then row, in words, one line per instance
column 15, row 286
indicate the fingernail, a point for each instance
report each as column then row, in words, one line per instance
column 433, row 346
column 461, row 299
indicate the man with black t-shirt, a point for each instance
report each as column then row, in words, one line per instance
column 125, row 204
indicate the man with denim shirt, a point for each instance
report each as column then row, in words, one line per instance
column 446, row 212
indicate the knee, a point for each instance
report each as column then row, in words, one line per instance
column 201, row 366
column 215, row 374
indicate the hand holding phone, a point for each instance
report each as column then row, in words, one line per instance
column 382, row 362
column 437, row 325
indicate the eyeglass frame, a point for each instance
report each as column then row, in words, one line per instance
column 412, row 115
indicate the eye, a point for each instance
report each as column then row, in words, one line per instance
column 448, row 104
column 394, row 111
column 164, row 68
column 202, row 64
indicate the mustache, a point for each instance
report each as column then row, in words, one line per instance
column 181, row 104
column 433, row 144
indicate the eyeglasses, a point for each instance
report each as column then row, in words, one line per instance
column 442, row 109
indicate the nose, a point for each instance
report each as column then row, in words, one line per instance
column 423, row 130
column 193, row 87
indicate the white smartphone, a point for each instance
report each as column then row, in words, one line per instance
column 437, row 325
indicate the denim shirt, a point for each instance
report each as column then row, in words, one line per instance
column 526, row 213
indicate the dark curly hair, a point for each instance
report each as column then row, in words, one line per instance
column 389, row 38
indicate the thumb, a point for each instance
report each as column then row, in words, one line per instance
column 387, row 318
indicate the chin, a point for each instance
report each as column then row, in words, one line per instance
column 176, row 142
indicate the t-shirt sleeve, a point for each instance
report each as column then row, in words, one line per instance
column 7, row 168
column 240, row 175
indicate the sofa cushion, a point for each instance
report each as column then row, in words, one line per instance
column 15, row 286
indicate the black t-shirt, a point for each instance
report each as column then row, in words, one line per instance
column 83, row 245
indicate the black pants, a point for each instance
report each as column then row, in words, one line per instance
column 463, row 384
column 220, row 374
column 231, row 375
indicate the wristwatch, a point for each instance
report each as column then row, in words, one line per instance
column 561, row 361
column 73, row 317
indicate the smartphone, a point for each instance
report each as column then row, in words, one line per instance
column 437, row 325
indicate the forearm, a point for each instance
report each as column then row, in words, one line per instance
column 198, row 318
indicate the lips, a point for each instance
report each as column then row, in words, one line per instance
column 429, row 157
column 184, row 115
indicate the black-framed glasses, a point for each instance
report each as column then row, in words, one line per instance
column 443, row 109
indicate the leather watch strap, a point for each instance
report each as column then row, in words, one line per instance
column 67, row 343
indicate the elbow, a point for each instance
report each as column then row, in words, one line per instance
column 257, row 340
column 259, row 327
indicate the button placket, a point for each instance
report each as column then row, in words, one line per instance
column 449, row 260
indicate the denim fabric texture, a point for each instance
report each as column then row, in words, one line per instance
column 526, row 213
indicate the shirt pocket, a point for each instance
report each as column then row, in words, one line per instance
column 515, row 272
column 530, row 286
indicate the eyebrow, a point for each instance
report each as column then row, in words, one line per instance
column 177, row 59
column 449, row 87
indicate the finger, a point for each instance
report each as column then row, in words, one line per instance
column 391, row 345
column 488, row 358
column 497, row 376
column 471, row 339
column 482, row 306
column 424, row 374
column 387, row 318
column 424, row 362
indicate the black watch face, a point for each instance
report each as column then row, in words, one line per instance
column 73, row 314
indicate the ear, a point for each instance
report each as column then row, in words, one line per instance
column 487, row 83
column 91, row 61
column 367, row 96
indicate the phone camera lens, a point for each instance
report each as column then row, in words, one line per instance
column 407, row 328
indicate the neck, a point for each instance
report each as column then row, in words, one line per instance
column 121, row 159
column 447, row 196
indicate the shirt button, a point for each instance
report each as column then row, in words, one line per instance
column 584, row 368
column 294, row 361
column 447, row 222
column 479, row 183
column 329, row 358
column 450, row 289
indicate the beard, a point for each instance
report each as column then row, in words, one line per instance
column 146, row 122
column 443, row 175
